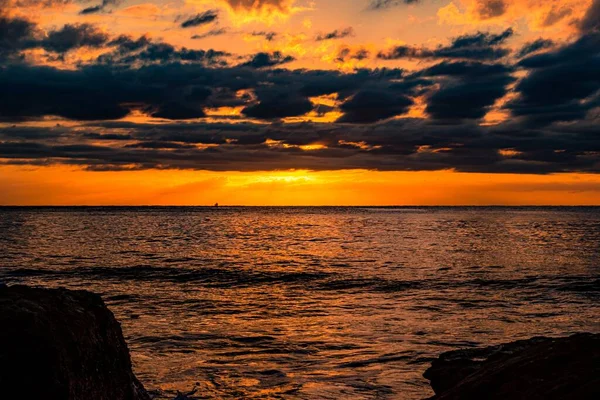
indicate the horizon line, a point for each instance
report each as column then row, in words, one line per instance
column 291, row 206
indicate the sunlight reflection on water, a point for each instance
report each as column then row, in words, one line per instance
column 304, row 303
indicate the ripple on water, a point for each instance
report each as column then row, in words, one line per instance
column 321, row 303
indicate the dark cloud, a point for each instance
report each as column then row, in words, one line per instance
column 126, row 44
column 176, row 90
column 482, row 39
column 467, row 98
column 369, row 106
column 200, row 19
column 383, row 4
column 465, row 69
column 405, row 144
column 557, row 84
column 73, row 36
column 33, row 92
column 178, row 110
column 91, row 10
column 15, row 34
column 158, row 145
column 556, row 14
column 346, row 54
column 269, row 36
column 562, row 85
column 319, row 83
column 98, row 8
column 591, row 20
column 212, row 32
column 18, row 34
column 336, row 34
column 98, row 93
column 468, row 90
column 491, row 8
column 264, row 60
column 278, row 103
column 536, row 45
column 128, row 51
column 478, row 46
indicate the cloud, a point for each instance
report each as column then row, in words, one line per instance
column 372, row 105
column 99, row 8
column 550, row 92
column 265, row 60
column 72, row 36
column 15, row 34
column 491, row 8
column 91, row 10
column 537, row 14
column 396, row 145
column 200, row 19
column 336, row 34
column 128, row 50
column 536, row 45
column 468, row 90
column 478, row 46
column 562, row 85
column 211, row 33
column 384, row 4
column 175, row 110
column 346, row 53
column 278, row 103
column 483, row 39
column 556, row 15
column 18, row 34
column 111, row 89
column 591, row 19
column 268, row 35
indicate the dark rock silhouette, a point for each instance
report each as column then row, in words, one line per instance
column 538, row 368
column 58, row 344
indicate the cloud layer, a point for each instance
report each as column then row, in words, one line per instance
column 138, row 102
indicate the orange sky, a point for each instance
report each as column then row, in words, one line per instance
column 263, row 159
column 68, row 186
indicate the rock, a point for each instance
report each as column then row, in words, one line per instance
column 58, row 344
column 538, row 368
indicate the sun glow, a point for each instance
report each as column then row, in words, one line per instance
column 63, row 185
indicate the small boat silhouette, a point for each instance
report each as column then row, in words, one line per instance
column 216, row 204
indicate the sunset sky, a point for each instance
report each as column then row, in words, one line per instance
column 293, row 102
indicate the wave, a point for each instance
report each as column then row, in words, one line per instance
column 318, row 281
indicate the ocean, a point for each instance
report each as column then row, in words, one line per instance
column 313, row 303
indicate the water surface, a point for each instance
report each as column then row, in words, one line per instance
column 306, row 303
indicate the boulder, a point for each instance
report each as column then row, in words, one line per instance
column 538, row 368
column 58, row 344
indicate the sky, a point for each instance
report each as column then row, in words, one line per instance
column 297, row 102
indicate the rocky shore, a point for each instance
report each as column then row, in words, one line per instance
column 58, row 344
column 538, row 368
